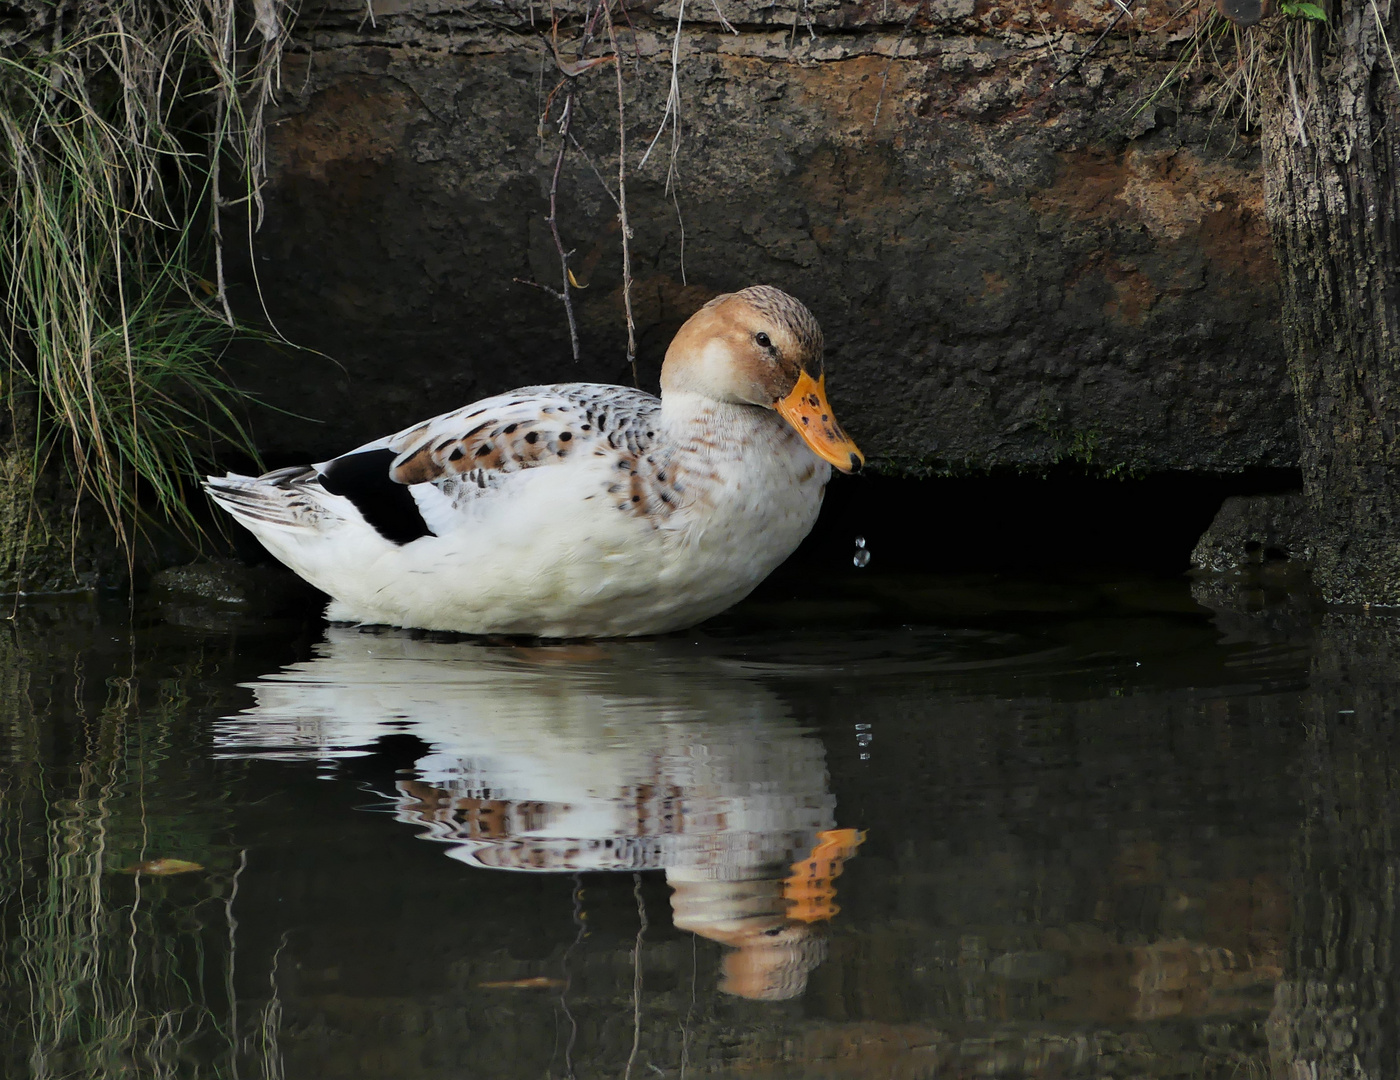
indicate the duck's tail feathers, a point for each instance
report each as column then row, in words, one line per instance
column 287, row 498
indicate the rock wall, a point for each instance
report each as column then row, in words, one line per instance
column 49, row 540
column 1011, row 270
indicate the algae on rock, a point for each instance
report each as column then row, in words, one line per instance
column 41, row 550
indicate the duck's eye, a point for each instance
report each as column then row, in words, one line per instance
column 764, row 341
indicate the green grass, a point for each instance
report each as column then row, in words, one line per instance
column 118, row 146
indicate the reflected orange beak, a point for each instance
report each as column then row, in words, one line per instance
column 808, row 890
column 807, row 410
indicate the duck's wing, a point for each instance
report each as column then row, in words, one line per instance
column 423, row 479
column 538, row 425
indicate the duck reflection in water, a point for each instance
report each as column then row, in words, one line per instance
column 608, row 757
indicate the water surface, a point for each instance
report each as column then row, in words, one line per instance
column 925, row 826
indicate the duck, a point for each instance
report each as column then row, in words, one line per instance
column 575, row 510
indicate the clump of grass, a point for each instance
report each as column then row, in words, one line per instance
column 116, row 130
column 1250, row 63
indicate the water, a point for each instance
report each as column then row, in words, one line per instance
column 861, row 559
column 921, row 827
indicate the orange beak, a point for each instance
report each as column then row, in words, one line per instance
column 807, row 410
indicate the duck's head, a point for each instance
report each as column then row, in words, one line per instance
column 760, row 346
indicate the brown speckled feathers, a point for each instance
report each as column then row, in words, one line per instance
column 537, row 425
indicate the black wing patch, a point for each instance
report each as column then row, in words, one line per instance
column 388, row 505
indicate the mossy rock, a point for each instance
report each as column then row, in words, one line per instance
column 44, row 547
column 262, row 590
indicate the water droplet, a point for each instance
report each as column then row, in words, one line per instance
column 861, row 558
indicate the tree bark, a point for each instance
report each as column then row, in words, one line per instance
column 1332, row 162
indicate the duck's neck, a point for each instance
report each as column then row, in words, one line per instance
column 682, row 407
column 690, row 419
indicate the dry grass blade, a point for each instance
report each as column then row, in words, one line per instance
column 672, row 116
column 116, row 137
column 1238, row 60
column 1385, row 42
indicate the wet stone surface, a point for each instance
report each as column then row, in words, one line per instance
column 1069, row 826
column 1254, row 530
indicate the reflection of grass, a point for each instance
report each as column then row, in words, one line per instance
column 107, row 974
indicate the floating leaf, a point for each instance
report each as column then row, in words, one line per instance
column 164, row 867
column 539, row 982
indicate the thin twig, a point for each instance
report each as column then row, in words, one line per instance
column 536, row 285
column 672, row 115
column 581, row 924
column 801, row 11
column 637, row 976
column 673, row 96
column 622, row 203
column 722, row 20
column 1054, row 56
column 680, row 223
column 564, row 123
column 1097, row 42
column 571, row 70
column 574, row 68
column 1297, row 108
column 588, row 160
column 226, row 53
column 1385, row 40
column 543, row 109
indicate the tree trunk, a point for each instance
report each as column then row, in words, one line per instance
column 1332, row 166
